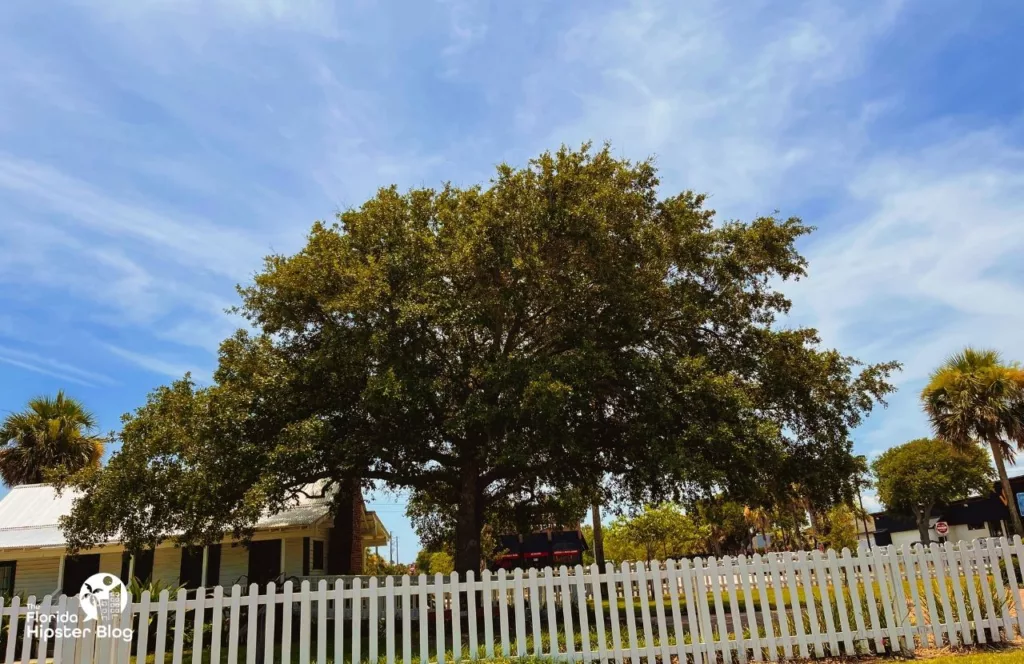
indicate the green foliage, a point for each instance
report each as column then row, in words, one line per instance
column 53, row 436
column 659, row 532
column 914, row 477
column 375, row 565
column 839, row 528
column 566, row 324
column 155, row 586
column 441, row 563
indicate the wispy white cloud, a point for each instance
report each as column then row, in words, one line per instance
column 160, row 365
column 48, row 366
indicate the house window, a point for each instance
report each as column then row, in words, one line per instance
column 318, row 555
column 976, row 526
column 7, row 578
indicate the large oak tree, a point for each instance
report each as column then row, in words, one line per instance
column 565, row 324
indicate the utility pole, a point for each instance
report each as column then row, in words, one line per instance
column 598, row 535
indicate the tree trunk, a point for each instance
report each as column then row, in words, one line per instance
column 864, row 517
column 923, row 529
column 1004, row 480
column 469, row 522
column 598, row 535
column 344, row 539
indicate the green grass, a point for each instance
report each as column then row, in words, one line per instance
column 1012, row 655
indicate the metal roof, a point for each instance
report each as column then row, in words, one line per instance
column 30, row 513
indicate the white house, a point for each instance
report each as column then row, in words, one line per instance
column 297, row 542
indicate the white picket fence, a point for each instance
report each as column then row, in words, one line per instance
column 772, row 607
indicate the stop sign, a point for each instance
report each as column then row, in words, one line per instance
column 942, row 527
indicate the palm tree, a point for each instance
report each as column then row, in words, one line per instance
column 51, row 434
column 976, row 399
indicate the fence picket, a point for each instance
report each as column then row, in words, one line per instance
column 26, row 636
column 759, row 569
column 388, row 620
column 471, row 614
column 821, row 576
column 321, row 621
column 406, row 595
column 179, row 626
column 964, row 555
column 939, row 566
column 627, row 596
column 488, row 601
column 958, row 593
column 803, row 567
column 1001, row 615
column 456, row 617
column 268, row 624
column 781, row 612
column 672, row 582
column 253, row 626
column 58, row 643
column 506, row 643
column 1011, row 548
column 161, row 630
column 566, row 596
column 287, row 612
column 197, row 626
column 595, row 586
column 704, row 608
column 424, row 618
column 986, row 587
column 644, row 600
column 613, row 613
column 85, row 647
column 926, row 580
column 438, row 617
column 304, row 618
column 839, row 596
column 339, row 621
column 535, row 623
column 658, row 586
column 899, row 601
column 865, row 560
column 581, row 605
column 373, row 620
column 716, row 594
column 357, row 619
column 794, row 599
column 520, row 610
column 216, row 624
column 909, row 557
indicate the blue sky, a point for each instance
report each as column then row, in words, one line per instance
column 152, row 151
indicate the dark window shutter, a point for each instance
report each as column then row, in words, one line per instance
column 305, row 556
column 191, row 571
column 213, row 566
column 126, row 563
column 7, row 570
column 318, row 555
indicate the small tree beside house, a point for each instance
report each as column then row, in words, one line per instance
column 915, row 477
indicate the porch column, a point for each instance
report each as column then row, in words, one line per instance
column 206, row 561
column 283, row 548
column 131, row 569
column 60, row 574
